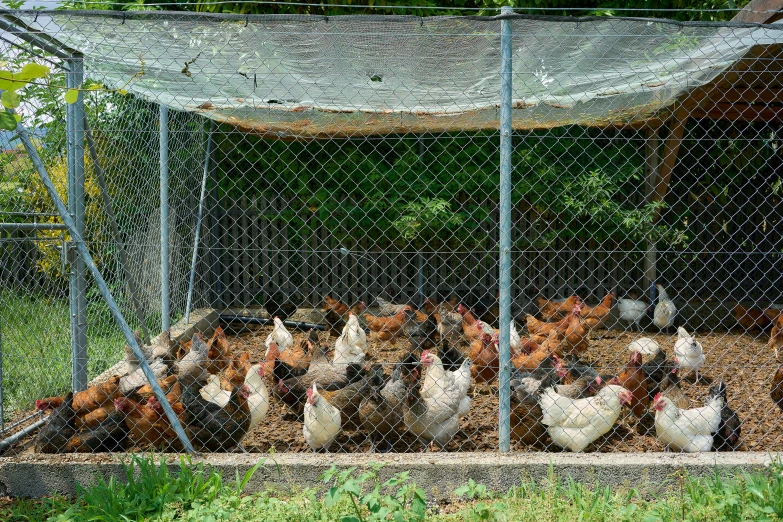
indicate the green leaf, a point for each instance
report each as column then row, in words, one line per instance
column 7, row 121
column 332, row 496
column 351, row 518
column 32, row 71
column 10, row 100
column 71, row 96
column 8, row 82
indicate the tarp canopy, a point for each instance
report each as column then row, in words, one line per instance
column 293, row 77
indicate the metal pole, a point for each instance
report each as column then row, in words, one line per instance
column 76, row 238
column 2, row 408
column 194, row 258
column 115, row 232
column 164, row 217
column 652, row 166
column 13, row 227
column 505, row 232
column 78, row 275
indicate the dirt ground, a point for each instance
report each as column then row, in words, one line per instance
column 740, row 359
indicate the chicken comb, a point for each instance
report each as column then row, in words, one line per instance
column 658, row 396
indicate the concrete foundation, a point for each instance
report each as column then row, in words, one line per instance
column 438, row 473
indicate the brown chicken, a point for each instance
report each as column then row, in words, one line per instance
column 550, row 346
column 594, row 316
column 234, row 374
column 146, row 425
column 387, row 328
column 776, row 335
column 337, row 314
column 751, row 318
column 219, row 352
column 472, row 328
column 633, row 379
column 331, row 304
column 484, row 359
column 556, row 309
column 294, row 362
column 575, row 334
column 88, row 400
column 95, row 417
column 777, row 388
column 145, row 392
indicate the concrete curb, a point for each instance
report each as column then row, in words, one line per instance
column 439, row 474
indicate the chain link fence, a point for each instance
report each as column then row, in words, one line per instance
column 343, row 175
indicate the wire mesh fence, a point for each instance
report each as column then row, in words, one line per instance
column 335, row 228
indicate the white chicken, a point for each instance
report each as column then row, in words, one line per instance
column 516, row 340
column 645, row 346
column 446, row 387
column 631, row 311
column 350, row 347
column 575, row 423
column 688, row 352
column 279, row 336
column 258, row 397
column 665, row 311
column 322, row 421
column 431, row 420
column 687, row 430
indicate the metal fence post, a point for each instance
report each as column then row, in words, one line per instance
column 77, row 240
column 164, row 218
column 74, row 115
column 194, row 258
column 505, row 232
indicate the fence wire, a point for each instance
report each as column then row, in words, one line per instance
column 344, row 295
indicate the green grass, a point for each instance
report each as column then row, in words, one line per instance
column 152, row 492
column 36, row 346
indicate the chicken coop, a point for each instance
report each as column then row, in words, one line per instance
column 504, row 232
